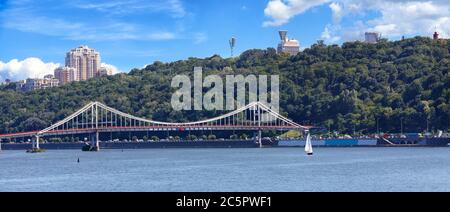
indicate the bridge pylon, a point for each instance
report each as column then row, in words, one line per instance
column 95, row 141
column 260, row 138
column 35, row 144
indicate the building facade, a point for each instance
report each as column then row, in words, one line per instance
column 66, row 75
column 6, row 82
column 104, row 72
column 85, row 60
column 290, row 46
column 372, row 37
column 35, row 84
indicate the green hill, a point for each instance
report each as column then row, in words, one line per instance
column 345, row 88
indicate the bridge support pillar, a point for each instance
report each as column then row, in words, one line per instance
column 36, row 142
column 95, row 141
column 260, row 138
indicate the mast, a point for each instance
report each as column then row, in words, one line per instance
column 308, row 145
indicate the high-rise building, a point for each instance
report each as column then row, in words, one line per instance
column 66, row 75
column 290, row 46
column 372, row 37
column 85, row 60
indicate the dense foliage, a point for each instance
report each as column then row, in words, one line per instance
column 347, row 88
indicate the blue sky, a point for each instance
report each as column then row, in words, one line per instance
column 133, row 33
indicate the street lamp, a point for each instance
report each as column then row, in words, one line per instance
column 401, row 126
column 378, row 125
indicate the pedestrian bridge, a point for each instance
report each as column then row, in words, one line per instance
column 95, row 118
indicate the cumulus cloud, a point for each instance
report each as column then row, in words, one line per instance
column 112, row 69
column 393, row 18
column 327, row 35
column 32, row 67
column 28, row 68
column 281, row 11
column 337, row 10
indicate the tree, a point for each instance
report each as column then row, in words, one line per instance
column 34, row 124
column 244, row 136
column 234, row 137
column 191, row 138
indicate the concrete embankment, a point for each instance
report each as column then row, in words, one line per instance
column 435, row 142
column 396, row 142
column 139, row 145
column 331, row 143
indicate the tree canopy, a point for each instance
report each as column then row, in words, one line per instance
column 346, row 88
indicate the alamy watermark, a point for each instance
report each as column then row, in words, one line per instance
column 239, row 91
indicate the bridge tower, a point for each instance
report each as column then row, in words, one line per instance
column 259, row 127
column 95, row 138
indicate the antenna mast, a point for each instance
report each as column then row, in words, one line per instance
column 232, row 45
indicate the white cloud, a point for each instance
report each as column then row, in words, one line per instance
column 28, row 68
column 114, row 70
column 407, row 18
column 337, row 10
column 33, row 17
column 200, row 38
column 393, row 18
column 82, row 31
column 124, row 7
column 328, row 37
column 281, row 11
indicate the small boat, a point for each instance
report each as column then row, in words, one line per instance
column 308, row 146
column 36, row 150
column 89, row 148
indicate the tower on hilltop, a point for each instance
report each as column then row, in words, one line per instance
column 290, row 46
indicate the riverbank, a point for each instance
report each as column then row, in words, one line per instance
column 441, row 142
column 138, row 145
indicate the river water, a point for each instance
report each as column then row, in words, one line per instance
column 272, row 169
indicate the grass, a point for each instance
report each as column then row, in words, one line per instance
column 291, row 134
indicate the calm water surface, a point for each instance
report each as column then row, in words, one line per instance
column 275, row 169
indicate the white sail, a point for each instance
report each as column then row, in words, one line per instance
column 308, row 146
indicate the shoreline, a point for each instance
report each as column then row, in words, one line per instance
column 355, row 143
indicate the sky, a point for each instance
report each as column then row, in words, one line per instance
column 35, row 35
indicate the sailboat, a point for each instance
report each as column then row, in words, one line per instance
column 308, row 147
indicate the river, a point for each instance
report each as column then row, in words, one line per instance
column 271, row 169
